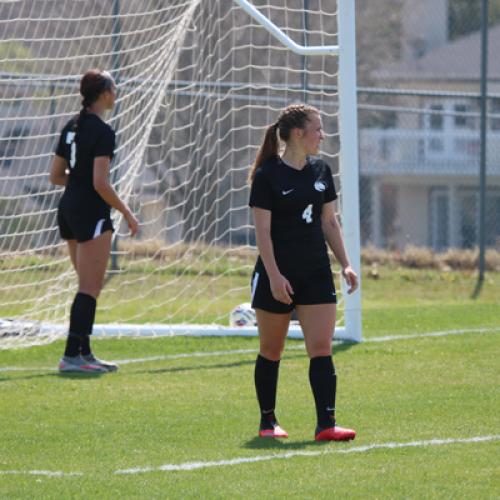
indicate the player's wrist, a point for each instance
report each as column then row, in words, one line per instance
column 273, row 273
column 126, row 212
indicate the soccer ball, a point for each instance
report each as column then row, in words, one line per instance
column 243, row 315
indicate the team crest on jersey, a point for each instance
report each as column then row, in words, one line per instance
column 320, row 186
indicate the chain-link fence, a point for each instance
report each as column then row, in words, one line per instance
column 419, row 118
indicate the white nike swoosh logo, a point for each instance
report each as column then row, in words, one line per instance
column 287, row 192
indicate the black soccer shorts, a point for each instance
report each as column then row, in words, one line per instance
column 83, row 225
column 315, row 287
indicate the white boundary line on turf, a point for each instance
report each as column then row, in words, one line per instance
column 443, row 333
column 231, row 352
column 189, row 466
column 48, row 473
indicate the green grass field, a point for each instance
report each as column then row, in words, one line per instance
column 402, row 394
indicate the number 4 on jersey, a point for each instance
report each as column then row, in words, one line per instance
column 307, row 213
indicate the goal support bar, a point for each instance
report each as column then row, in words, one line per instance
column 266, row 23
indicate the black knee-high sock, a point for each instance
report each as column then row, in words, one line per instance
column 85, row 346
column 266, row 382
column 85, row 342
column 324, row 387
column 73, row 342
column 80, row 323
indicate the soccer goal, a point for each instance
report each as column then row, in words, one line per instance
column 198, row 82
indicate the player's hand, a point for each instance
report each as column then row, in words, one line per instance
column 351, row 279
column 133, row 223
column 281, row 289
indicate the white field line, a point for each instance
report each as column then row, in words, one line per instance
column 189, row 466
column 48, row 473
column 231, row 352
column 444, row 333
column 291, row 454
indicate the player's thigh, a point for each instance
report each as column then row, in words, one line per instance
column 318, row 323
column 72, row 245
column 92, row 260
column 273, row 329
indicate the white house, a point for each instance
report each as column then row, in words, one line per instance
column 423, row 170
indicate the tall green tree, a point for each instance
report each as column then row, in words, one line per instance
column 465, row 16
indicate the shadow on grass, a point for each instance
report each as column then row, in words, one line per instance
column 52, row 374
column 217, row 366
column 258, row 443
column 76, row 375
column 338, row 347
column 159, row 371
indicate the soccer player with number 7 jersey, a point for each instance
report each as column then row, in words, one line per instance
column 82, row 164
column 292, row 199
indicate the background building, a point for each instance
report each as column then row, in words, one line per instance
column 419, row 157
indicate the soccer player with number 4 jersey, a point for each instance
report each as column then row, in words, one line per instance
column 292, row 199
column 82, row 163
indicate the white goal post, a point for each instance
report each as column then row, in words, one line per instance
column 348, row 131
column 197, row 83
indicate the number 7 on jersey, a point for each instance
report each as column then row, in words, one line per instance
column 70, row 139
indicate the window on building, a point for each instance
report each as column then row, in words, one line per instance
column 461, row 119
column 388, row 209
column 439, row 218
column 468, row 203
column 386, row 146
column 493, row 218
column 436, row 118
column 495, row 110
column 469, row 217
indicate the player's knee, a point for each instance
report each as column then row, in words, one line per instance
column 317, row 349
column 272, row 352
column 93, row 291
column 90, row 285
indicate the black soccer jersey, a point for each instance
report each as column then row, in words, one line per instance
column 94, row 138
column 295, row 199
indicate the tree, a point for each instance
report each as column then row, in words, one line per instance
column 465, row 16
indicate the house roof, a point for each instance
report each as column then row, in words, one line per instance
column 457, row 60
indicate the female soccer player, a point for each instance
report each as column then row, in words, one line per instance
column 82, row 163
column 292, row 199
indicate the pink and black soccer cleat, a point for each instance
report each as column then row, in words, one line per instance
column 78, row 365
column 107, row 365
column 334, row 434
column 275, row 432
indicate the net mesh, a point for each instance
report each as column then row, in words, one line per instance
column 197, row 82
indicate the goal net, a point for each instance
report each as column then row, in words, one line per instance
column 198, row 82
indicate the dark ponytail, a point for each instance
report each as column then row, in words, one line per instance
column 293, row 116
column 93, row 83
column 268, row 149
column 79, row 118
